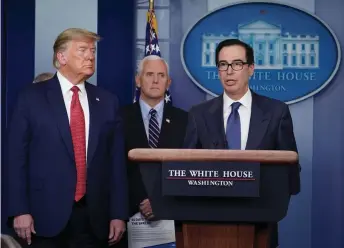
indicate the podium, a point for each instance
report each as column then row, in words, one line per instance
column 239, row 220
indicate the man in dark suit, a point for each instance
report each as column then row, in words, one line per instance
column 150, row 123
column 241, row 119
column 67, row 174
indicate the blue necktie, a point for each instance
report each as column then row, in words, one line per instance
column 153, row 129
column 233, row 130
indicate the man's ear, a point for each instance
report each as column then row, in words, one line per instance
column 251, row 70
column 61, row 57
column 169, row 81
column 137, row 81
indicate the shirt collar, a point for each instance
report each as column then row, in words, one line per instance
column 245, row 101
column 145, row 108
column 66, row 85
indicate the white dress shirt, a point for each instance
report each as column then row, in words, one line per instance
column 244, row 113
column 145, row 108
column 66, row 86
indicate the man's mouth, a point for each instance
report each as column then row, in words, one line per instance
column 230, row 81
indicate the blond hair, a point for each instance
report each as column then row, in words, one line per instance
column 68, row 35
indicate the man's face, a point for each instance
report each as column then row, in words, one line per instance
column 153, row 80
column 234, row 81
column 79, row 57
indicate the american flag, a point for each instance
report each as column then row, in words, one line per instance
column 152, row 48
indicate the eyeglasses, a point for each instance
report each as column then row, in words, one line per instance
column 236, row 65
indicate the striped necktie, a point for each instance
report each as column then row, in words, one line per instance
column 153, row 129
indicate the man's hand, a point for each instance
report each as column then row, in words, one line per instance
column 146, row 209
column 117, row 228
column 23, row 226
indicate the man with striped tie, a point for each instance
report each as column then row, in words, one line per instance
column 150, row 122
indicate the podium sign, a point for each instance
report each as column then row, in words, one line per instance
column 219, row 179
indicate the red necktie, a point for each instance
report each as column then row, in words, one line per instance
column 77, row 127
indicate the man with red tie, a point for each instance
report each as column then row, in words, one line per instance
column 67, row 175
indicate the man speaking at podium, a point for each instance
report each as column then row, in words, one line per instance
column 241, row 119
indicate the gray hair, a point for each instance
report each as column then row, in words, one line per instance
column 43, row 77
column 149, row 58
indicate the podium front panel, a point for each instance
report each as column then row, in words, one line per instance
column 270, row 206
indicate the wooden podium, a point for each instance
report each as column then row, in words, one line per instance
column 222, row 224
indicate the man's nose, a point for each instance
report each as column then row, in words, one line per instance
column 90, row 55
column 230, row 70
column 155, row 79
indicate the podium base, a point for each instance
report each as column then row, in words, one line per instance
column 205, row 235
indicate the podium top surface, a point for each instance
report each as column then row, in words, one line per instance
column 169, row 155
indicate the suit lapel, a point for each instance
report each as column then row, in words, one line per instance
column 139, row 131
column 56, row 101
column 94, row 128
column 258, row 123
column 214, row 122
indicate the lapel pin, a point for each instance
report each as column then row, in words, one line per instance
column 168, row 120
column 97, row 99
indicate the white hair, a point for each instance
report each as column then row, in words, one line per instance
column 148, row 58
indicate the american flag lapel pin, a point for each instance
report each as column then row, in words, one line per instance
column 168, row 120
column 97, row 99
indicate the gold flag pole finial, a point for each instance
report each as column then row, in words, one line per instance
column 151, row 4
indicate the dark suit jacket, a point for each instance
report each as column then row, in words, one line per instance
column 42, row 170
column 171, row 136
column 271, row 128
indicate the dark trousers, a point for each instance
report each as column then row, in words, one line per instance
column 123, row 243
column 77, row 234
